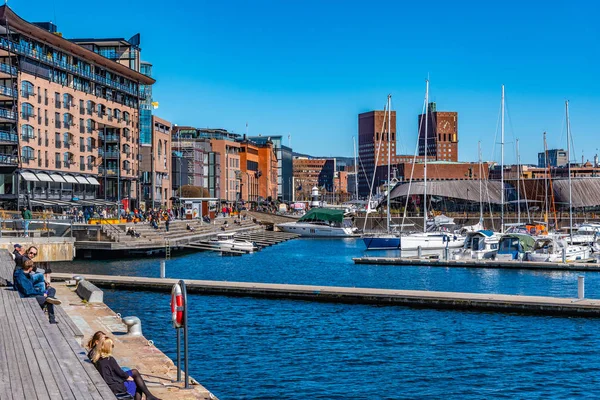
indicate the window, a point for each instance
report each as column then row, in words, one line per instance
column 26, row 111
column 27, row 89
column 57, row 140
column 67, row 120
column 90, row 144
column 57, row 160
column 67, row 100
column 81, row 108
column 57, row 120
column 27, row 133
column 81, row 163
column 67, row 140
column 81, row 144
column 67, row 159
column 27, row 154
column 90, row 105
column 56, row 99
column 159, row 148
column 90, row 126
column 81, row 126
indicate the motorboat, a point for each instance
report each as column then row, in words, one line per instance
column 228, row 241
column 586, row 234
column 514, row 246
column 551, row 249
column 482, row 244
column 322, row 222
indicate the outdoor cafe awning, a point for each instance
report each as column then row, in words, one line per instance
column 29, row 176
column 57, row 178
column 43, row 177
column 81, row 179
column 93, row 180
column 70, row 179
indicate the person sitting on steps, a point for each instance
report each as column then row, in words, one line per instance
column 24, row 285
column 119, row 381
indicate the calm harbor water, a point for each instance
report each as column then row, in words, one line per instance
column 244, row 348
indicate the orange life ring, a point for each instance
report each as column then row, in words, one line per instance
column 177, row 306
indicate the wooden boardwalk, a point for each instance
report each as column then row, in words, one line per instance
column 434, row 262
column 39, row 360
column 411, row 298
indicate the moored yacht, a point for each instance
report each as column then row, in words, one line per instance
column 482, row 244
column 514, row 246
column 321, row 222
column 552, row 249
column 228, row 241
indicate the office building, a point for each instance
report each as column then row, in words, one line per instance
column 155, row 166
column 556, row 158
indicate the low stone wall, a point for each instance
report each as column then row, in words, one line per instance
column 49, row 249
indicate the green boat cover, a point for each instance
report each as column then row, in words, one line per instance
column 526, row 241
column 323, row 214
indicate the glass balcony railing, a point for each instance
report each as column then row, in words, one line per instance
column 75, row 69
column 8, row 69
column 6, row 91
column 8, row 137
column 111, row 154
column 7, row 114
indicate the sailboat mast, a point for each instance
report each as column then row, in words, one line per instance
column 502, row 167
column 546, row 175
column 425, row 163
column 569, row 165
column 389, row 172
column 480, row 184
column 355, row 170
column 518, row 185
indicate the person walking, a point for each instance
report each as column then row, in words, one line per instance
column 27, row 217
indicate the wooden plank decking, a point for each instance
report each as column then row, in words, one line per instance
column 39, row 360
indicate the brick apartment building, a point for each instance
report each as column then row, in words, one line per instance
column 68, row 120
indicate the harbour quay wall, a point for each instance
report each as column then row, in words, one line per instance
column 50, row 249
column 332, row 294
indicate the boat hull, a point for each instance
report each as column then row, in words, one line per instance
column 424, row 241
column 382, row 242
column 312, row 230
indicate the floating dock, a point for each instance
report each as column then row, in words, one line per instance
column 332, row 294
column 434, row 262
column 261, row 239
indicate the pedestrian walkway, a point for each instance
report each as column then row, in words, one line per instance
column 39, row 360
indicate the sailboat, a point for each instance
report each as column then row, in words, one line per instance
column 437, row 233
column 555, row 248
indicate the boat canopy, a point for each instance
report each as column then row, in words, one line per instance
column 527, row 242
column 323, row 214
column 486, row 232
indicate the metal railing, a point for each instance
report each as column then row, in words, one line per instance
column 8, row 137
column 10, row 92
column 8, row 159
column 36, row 227
column 8, row 69
column 7, row 114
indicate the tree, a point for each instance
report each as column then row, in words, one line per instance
column 193, row 191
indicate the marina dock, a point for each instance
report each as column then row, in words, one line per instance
column 353, row 295
column 495, row 264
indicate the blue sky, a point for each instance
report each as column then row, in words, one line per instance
column 307, row 68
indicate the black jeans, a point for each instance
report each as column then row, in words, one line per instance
column 42, row 302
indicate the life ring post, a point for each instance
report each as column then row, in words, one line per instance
column 180, row 321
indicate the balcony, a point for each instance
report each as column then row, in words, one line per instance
column 108, row 138
column 27, row 139
column 67, row 145
column 67, row 164
column 89, row 129
column 111, row 154
column 90, row 167
column 67, row 106
column 89, row 111
column 7, row 114
column 8, row 137
column 24, row 93
column 107, row 171
column 109, row 117
column 26, row 116
column 7, row 93
column 67, row 124
column 7, row 159
column 90, row 149
column 26, row 160
column 7, row 70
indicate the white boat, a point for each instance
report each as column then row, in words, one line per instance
column 482, row 244
column 514, row 246
column 228, row 241
column 322, row 222
column 551, row 249
column 587, row 233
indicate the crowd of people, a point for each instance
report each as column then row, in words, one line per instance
column 31, row 281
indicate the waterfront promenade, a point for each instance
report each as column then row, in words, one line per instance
column 30, row 347
column 410, row 298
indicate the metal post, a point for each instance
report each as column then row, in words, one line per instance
column 446, row 253
column 580, row 287
column 419, row 252
column 185, row 333
column 564, row 255
column 178, row 354
column 163, row 268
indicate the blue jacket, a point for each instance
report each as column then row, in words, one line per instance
column 24, row 284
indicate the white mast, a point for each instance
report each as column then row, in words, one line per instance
column 480, row 184
column 389, row 172
column 518, row 185
column 569, row 164
column 425, row 163
column 355, row 170
column 502, row 167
